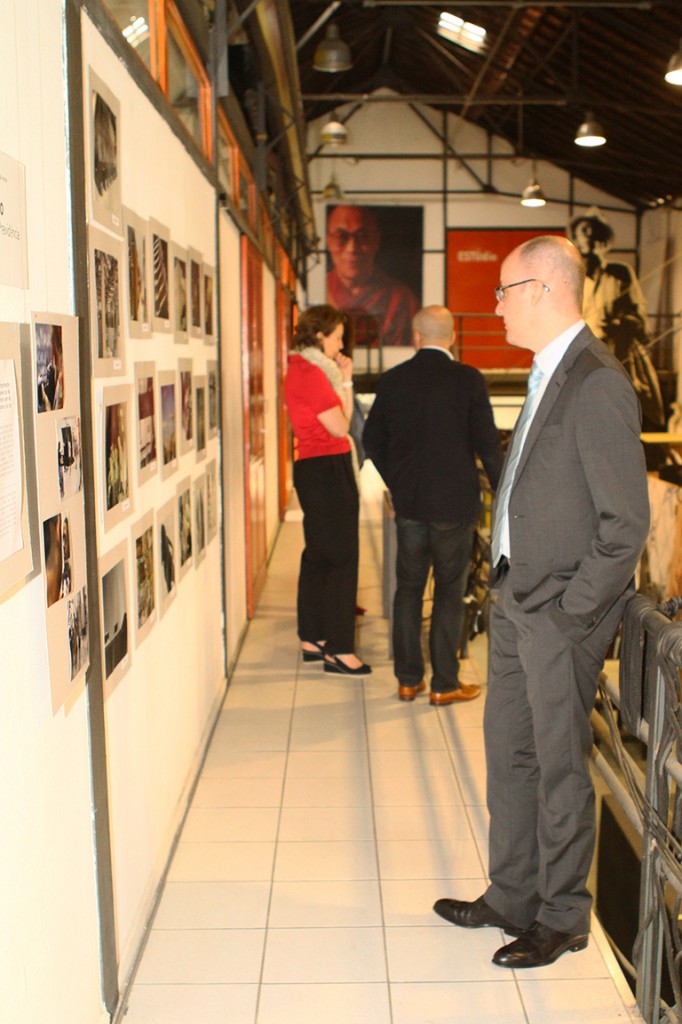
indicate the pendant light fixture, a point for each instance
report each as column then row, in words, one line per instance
column 333, row 133
column 532, row 194
column 674, row 72
column 590, row 133
column 332, row 54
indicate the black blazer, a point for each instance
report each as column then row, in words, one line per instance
column 430, row 418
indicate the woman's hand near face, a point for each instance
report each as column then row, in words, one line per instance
column 345, row 364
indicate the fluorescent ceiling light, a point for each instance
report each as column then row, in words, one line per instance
column 464, row 33
column 137, row 31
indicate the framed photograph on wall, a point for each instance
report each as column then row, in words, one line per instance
column 69, row 456
column 211, row 501
column 115, row 621
column 145, row 575
column 200, row 416
column 137, row 289
column 195, row 290
column 117, row 458
column 209, row 304
column 145, row 421
column 185, row 552
column 161, row 283
column 106, row 304
column 212, row 397
column 376, row 280
column 169, row 422
column 199, row 503
column 104, row 153
column 77, row 630
column 179, row 293
column 167, row 557
column 186, row 406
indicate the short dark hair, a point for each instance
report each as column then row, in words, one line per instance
column 316, row 319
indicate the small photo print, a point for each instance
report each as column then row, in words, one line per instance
column 69, row 463
column 115, row 618
column 167, row 553
column 54, row 558
column 67, row 570
column 139, row 314
column 195, row 275
column 116, row 455
column 212, row 398
column 211, row 501
column 105, row 154
column 199, row 518
column 186, row 419
column 200, row 406
column 185, row 527
column 169, row 427
column 160, row 255
column 209, row 320
column 146, row 421
column 108, row 312
column 179, row 282
column 77, row 626
column 49, row 367
column 144, row 562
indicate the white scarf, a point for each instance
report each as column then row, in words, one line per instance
column 332, row 372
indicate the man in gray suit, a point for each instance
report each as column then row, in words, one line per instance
column 570, row 521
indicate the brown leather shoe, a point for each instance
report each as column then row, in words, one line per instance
column 462, row 692
column 410, row 692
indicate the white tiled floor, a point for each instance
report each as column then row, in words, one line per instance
column 328, row 818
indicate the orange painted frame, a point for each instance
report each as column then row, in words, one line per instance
column 167, row 18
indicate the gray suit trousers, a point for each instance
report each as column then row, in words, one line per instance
column 542, row 688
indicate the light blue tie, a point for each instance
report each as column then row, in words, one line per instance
column 502, row 504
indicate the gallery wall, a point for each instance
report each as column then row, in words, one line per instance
column 47, row 866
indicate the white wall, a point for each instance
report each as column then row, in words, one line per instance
column 49, row 952
column 158, row 716
column 233, row 430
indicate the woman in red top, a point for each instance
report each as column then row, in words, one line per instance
column 319, row 397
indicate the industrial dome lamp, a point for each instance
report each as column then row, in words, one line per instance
column 333, row 133
column 590, row 133
column 674, row 72
column 332, row 54
column 533, row 195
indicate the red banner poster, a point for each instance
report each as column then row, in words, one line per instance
column 474, row 257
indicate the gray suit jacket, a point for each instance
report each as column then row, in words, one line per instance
column 579, row 508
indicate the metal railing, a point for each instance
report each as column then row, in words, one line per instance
column 647, row 699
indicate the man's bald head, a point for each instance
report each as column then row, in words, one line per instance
column 433, row 325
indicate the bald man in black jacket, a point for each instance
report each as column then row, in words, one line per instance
column 430, row 418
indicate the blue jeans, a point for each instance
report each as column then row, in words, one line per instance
column 447, row 547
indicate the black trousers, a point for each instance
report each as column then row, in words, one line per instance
column 328, row 580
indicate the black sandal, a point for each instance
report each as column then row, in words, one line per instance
column 317, row 655
column 334, row 664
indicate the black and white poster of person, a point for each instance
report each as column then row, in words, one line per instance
column 106, row 304
column 77, row 626
column 104, row 154
column 69, row 462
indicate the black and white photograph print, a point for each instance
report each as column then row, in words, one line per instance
column 49, row 367
column 137, row 248
column 105, row 154
column 169, row 424
column 67, row 565
column 53, row 558
column 161, row 282
column 212, row 397
column 77, row 631
column 211, row 501
column 69, row 462
column 186, row 410
column 195, row 280
column 145, row 392
column 145, row 590
column 179, row 294
column 184, row 527
column 166, row 531
column 115, row 617
column 200, row 416
column 105, row 304
column 116, row 463
column 199, row 502
column 209, row 310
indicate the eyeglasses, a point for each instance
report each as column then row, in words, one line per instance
column 502, row 288
column 340, row 238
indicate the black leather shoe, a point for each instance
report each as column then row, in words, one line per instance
column 474, row 915
column 537, row 947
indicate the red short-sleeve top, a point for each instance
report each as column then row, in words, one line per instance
column 307, row 392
